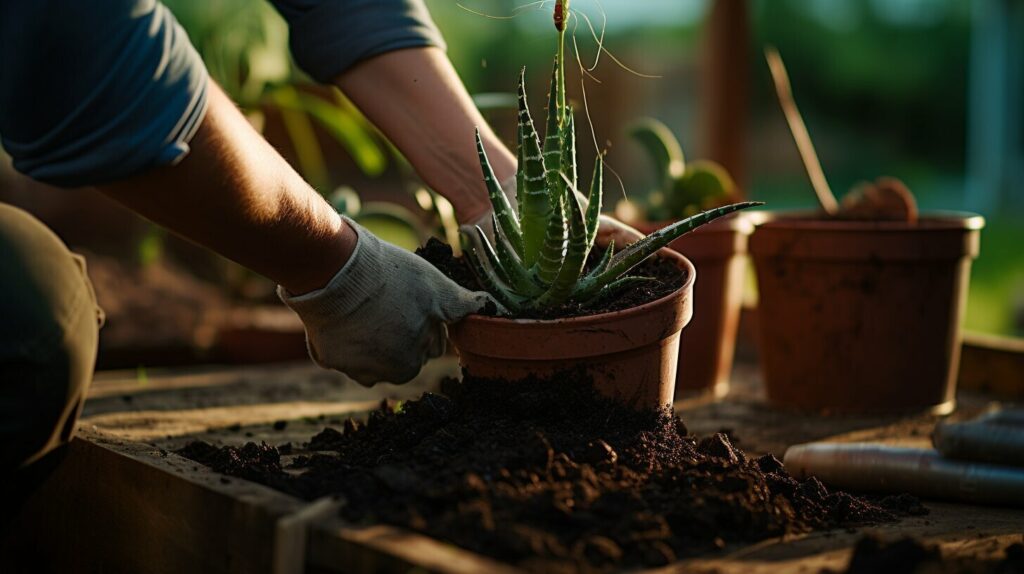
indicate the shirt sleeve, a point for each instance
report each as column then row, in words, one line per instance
column 329, row 36
column 92, row 92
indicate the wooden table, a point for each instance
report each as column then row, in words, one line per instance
column 121, row 501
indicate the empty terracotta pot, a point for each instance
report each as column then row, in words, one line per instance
column 717, row 251
column 862, row 316
column 631, row 354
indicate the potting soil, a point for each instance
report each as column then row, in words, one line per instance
column 666, row 278
column 548, row 475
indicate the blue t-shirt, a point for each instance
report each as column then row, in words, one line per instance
column 92, row 92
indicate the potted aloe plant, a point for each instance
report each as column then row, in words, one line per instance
column 860, row 303
column 717, row 251
column 545, row 258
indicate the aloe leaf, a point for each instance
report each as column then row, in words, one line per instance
column 606, row 258
column 483, row 244
column 488, row 280
column 502, row 208
column 617, row 286
column 553, row 137
column 663, row 148
column 633, row 255
column 520, row 180
column 553, row 253
column 556, row 232
column 593, row 216
column 519, row 277
column 534, row 204
column 568, row 162
column 575, row 258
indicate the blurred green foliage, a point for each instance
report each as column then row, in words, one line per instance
column 882, row 85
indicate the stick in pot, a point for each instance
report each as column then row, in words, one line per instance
column 886, row 198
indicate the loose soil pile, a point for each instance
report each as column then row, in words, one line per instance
column 667, row 278
column 908, row 555
column 548, row 475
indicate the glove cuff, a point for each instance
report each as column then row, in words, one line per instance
column 362, row 276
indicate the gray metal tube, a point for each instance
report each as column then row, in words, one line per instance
column 997, row 437
column 866, row 467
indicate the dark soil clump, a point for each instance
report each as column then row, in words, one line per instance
column 668, row 278
column 548, row 475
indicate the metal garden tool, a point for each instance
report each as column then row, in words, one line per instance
column 980, row 461
column 996, row 437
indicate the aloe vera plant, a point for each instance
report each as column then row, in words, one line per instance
column 539, row 254
column 684, row 187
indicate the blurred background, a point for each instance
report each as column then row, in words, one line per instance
column 930, row 91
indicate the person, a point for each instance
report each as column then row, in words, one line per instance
column 111, row 94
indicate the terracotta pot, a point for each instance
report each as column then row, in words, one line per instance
column 717, row 251
column 862, row 316
column 631, row 354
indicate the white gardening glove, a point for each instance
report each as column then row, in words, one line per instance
column 383, row 315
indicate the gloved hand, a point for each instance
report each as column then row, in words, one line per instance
column 383, row 314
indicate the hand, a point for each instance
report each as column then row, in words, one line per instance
column 383, row 315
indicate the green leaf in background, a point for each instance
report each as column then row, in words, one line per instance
column 491, row 101
column 341, row 119
column 392, row 223
column 150, row 248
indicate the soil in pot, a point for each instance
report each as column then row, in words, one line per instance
column 550, row 476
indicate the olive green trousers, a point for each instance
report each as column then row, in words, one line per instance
column 49, row 328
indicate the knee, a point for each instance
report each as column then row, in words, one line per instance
column 48, row 338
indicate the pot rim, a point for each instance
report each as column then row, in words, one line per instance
column 814, row 220
column 587, row 320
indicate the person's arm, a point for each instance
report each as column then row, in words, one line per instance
column 372, row 310
column 236, row 195
column 129, row 109
column 415, row 97
column 388, row 57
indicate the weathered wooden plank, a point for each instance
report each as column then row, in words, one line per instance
column 993, row 364
column 335, row 546
column 152, row 424
column 118, row 506
column 960, row 530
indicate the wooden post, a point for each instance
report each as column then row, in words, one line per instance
column 725, row 86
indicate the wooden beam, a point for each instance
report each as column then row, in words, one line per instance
column 725, row 87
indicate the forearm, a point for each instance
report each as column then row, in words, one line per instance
column 236, row 195
column 416, row 98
